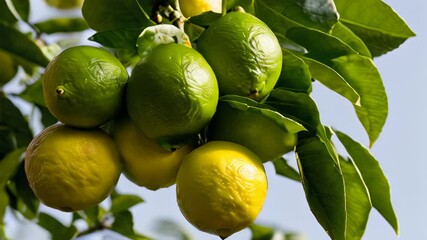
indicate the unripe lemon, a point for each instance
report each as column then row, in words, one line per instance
column 221, row 187
column 72, row 169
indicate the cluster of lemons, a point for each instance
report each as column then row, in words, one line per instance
column 147, row 125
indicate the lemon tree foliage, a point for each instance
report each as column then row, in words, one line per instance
column 323, row 41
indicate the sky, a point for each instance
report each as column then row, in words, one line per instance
column 399, row 149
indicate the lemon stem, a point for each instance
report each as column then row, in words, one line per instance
column 223, row 7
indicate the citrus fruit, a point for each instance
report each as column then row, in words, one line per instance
column 145, row 162
column 72, row 169
column 221, row 187
column 65, row 4
column 172, row 93
column 244, row 54
column 8, row 67
column 83, row 86
column 251, row 129
column 191, row 8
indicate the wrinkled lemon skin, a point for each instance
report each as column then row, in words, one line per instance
column 71, row 169
column 221, row 187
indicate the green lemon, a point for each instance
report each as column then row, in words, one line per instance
column 8, row 67
column 252, row 130
column 172, row 93
column 244, row 54
column 221, row 187
column 84, row 86
column 72, row 169
column 145, row 162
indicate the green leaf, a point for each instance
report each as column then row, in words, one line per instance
column 324, row 185
column 247, row 5
column 3, row 232
column 122, row 202
column 297, row 106
column 295, row 75
column 6, row 15
column 247, row 104
column 381, row 28
column 261, row 232
column 361, row 73
column 205, row 19
column 374, row 178
column 343, row 33
column 34, row 93
column 20, row 45
column 332, row 80
column 22, row 7
column 4, row 202
column 171, row 228
column 9, row 165
column 47, row 117
column 274, row 19
column 123, row 38
column 62, row 25
column 27, row 203
column 282, row 168
column 92, row 215
column 123, row 224
column 357, row 199
column 57, row 230
column 103, row 15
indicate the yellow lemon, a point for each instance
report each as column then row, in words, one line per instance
column 145, row 162
column 72, row 169
column 191, row 8
column 221, row 187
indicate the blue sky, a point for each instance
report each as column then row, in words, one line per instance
column 400, row 150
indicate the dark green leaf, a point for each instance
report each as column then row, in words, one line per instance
column 357, row 200
column 247, row 5
column 381, row 28
column 92, row 215
column 3, row 232
column 361, row 73
column 247, row 104
column 47, row 117
column 62, row 25
column 22, row 8
column 332, row 80
column 295, row 75
column 103, row 15
column 123, row 224
column 122, row 202
column 123, row 38
column 343, row 33
column 374, row 178
column 57, row 230
column 205, row 19
column 278, row 22
column 261, row 232
column 6, row 15
column 4, row 202
column 297, row 106
column 282, row 168
column 9, row 165
column 33, row 93
column 324, row 185
column 20, row 45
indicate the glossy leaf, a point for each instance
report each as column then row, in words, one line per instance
column 295, row 75
column 6, row 15
column 361, row 73
column 4, row 202
column 284, row 169
column 57, row 230
column 22, row 7
column 9, row 165
column 118, row 38
column 103, row 15
column 123, row 202
column 358, row 202
column 33, row 93
column 297, row 106
column 20, row 45
column 374, row 178
column 62, row 25
column 323, row 185
column 343, row 33
column 172, row 228
column 332, row 80
column 381, row 28
column 274, row 19
column 123, row 224
column 27, row 204
column 261, row 232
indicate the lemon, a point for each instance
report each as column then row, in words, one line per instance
column 253, row 130
column 84, row 86
column 8, row 67
column 145, row 162
column 221, row 187
column 172, row 93
column 72, row 169
column 191, row 8
column 244, row 54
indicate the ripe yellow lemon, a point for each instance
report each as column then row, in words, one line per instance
column 145, row 162
column 172, row 93
column 83, row 86
column 221, row 187
column 72, row 169
column 191, row 8
column 244, row 54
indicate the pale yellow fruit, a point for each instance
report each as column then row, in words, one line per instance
column 191, row 8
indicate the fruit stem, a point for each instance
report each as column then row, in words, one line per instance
column 223, row 7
